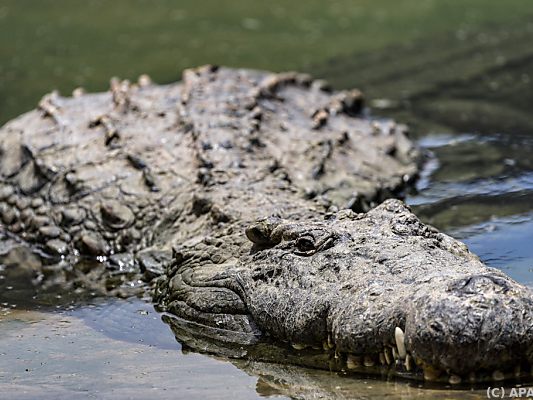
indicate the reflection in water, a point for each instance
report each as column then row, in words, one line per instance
column 130, row 353
column 301, row 383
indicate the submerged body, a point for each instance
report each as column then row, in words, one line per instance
column 227, row 188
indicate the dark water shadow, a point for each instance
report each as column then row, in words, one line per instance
column 461, row 81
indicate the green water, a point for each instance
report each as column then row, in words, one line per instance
column 460, row 73
column 47, row 44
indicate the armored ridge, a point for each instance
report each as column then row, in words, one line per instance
column 146, row 166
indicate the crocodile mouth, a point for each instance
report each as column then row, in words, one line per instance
column 392, row 361
column 389, row 363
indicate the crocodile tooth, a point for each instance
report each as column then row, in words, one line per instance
column 498, row 375
column 400, row 342
column 368, row 361
column 472, row 377
column 388, row 355
column 353, row 362
column 408, row 362
column 325, row 346
column 382, row 359
column 394, row 353
column 298, row 346
column 330, row 342
column 454, row 379
column 431, row 373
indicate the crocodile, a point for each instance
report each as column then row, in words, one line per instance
column 124, row 174
column 261, row 210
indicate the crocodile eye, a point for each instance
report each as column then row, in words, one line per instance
column 305, row 244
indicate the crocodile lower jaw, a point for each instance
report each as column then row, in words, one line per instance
column 390, row 362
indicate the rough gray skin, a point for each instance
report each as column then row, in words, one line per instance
column 142, row 167
column 243, row 174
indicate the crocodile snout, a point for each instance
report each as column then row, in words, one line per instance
column 479, row 324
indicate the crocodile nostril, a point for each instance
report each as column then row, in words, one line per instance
column 436, row 327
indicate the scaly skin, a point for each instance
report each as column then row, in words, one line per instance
column 126, row 174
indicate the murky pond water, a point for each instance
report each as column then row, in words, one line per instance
column 460, row 76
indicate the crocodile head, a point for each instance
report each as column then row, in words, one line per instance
column 373, row 293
